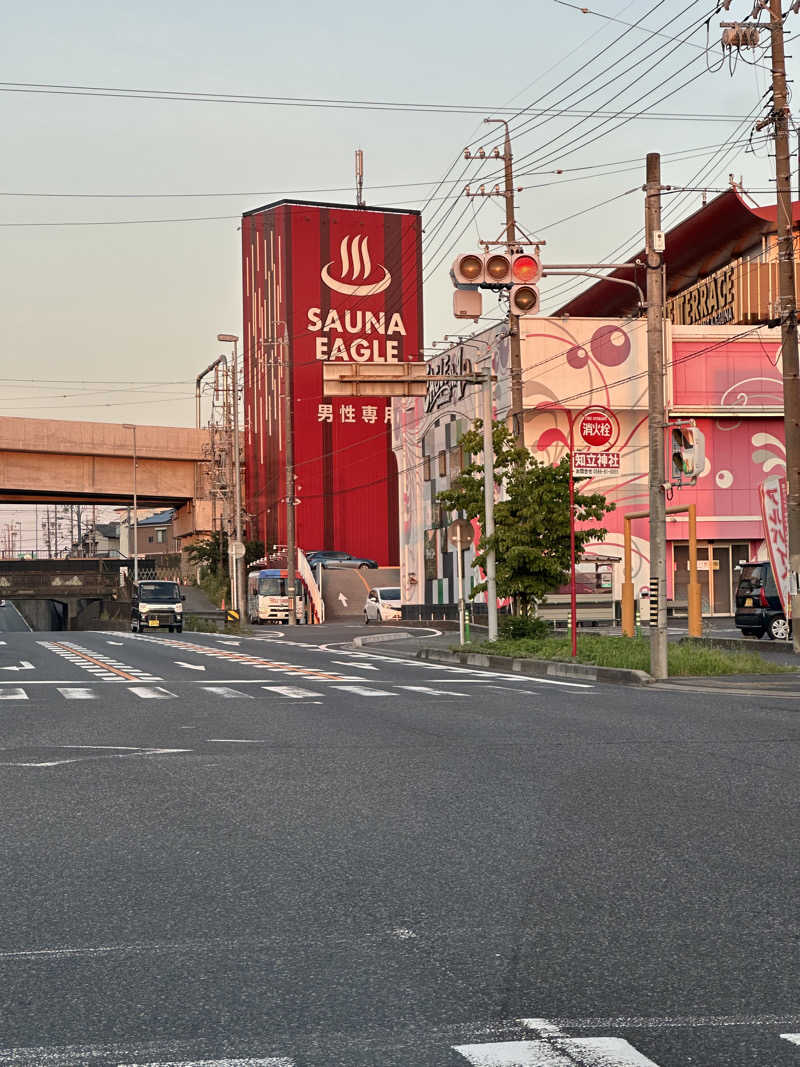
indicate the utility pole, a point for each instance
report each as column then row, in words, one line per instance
column 488, row 503
column 788, row 304
column 288, row 437
column 236, row 560
column 517, row 413
column 655, row 394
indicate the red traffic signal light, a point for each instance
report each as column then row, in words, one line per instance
column 526, row 268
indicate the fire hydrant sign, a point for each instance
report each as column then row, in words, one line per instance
column 596, row 427
column 595, row 464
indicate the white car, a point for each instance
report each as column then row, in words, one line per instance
column 383, row 604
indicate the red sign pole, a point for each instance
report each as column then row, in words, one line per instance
column 573, row 598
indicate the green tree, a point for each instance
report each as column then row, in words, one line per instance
column 211, row 553
column 531, row 539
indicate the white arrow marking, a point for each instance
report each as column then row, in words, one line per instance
column 189, row 666
column 24, row 666
column 361, row 666
column 343, row 599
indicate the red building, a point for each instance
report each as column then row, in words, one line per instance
column 336, row 284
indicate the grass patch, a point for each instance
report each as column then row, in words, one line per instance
column 634, row 653
column 215, row 586
column 200, row 626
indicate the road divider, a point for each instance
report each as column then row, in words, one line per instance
column 539, row 668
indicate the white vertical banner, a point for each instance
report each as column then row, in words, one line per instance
column 772, row 493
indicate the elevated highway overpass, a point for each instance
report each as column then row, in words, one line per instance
column 47, row 461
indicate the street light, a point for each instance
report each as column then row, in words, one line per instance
column 130, row 426
column 237, row 570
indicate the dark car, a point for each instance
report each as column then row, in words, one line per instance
column 331, row 558
column 758, row 604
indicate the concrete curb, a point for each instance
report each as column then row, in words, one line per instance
column 540, row 668
column 740, row 644
column 375, row 639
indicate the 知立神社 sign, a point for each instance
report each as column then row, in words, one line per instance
column 337, row 285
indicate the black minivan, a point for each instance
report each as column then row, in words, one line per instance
column 758, row 605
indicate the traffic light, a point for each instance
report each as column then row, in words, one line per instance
column 467, row 270
column 687, row 452
column 524, row 299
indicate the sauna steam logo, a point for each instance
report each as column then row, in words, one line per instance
column 355, row 270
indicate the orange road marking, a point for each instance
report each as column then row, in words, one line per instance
column 97, row 662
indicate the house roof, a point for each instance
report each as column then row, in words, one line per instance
column 108, row 529
column 718, row 232
column 161, row 518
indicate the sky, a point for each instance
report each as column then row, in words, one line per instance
column 112, row 321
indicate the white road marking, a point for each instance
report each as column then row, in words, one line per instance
column 290, row 691
column 147, row 692
column 24, row 666
column 114, row 642
column 76, row 693
column 189, row 666
column 431, row 692
column 116, row 754
column 361, row 666
column 556, row 1052
column 511, row 689
column 234, row 741
column 270, row 1061
column 226, row 691
column 794, row 1038
column 120, row 1054
column 13, row 694
column 363, row 691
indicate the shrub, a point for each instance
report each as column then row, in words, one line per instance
column 517, row 627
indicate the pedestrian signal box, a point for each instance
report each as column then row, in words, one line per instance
column 687, row 452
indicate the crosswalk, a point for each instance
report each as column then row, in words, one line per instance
column 543, row 1045
column 231, row 692
column 106, row 668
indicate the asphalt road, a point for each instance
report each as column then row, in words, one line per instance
column 279, row 851
column 10, row 619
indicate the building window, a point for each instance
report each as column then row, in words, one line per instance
column 426, row 468
column 161, row 537
column 442, row 464
column 456, row 460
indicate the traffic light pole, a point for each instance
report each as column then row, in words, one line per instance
column 788, row 304
column 488, row 501
column 655, row 392
column 517, row 411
